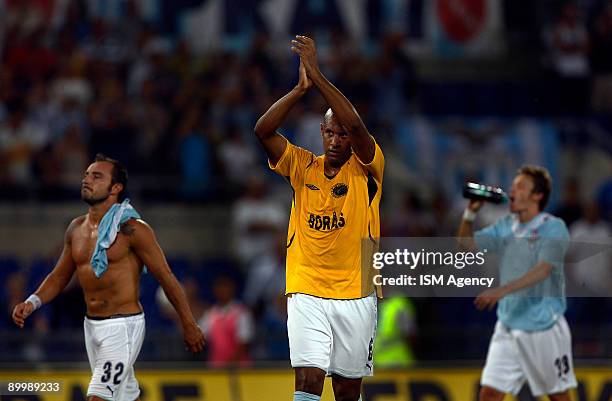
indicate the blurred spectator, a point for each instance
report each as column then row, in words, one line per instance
column 272, row 331
column 394, row 80
column 260, row 56
column 228, row 326
column 153, row 121
column 570, row 208
column 25, row 16
column 41, row 109
column 47, row 168
column 604, row 200
column 192, row 292
column 2, row 24
column 72, row 26
column 151, row 64
column 112, row 131
column 16, row 292
column 105, row 44
column 569, row 41
column 71, row 83
column 601, row 60
column 73, row 157
column 395, row 334
column 441, row 210
column 256, row 221
column 593, row 268
column 308, row 130
column 411, row 220
column 29, row 57
column 265, row 279
column 8, row 90
column 195, row 156
column 183, row 63
column 20, row 139
column 236, row 156
column 69, row 113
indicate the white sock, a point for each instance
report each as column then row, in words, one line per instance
column 302, row 396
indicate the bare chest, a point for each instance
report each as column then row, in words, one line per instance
column 84, row 243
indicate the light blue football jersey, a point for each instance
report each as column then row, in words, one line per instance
column 520, row 247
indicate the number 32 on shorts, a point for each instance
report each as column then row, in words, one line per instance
column 108, row 370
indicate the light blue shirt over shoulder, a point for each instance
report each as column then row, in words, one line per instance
column 108, row 228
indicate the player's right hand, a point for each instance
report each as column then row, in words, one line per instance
column 194, row 338
column 21, row 312
column 304, row 83
column 306, row 49
column 475, row 205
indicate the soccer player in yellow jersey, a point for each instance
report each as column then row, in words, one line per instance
column 334, row 213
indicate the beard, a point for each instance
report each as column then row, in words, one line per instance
column 92, row 199
column 339, row 159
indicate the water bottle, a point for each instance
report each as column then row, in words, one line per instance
column 481, row 192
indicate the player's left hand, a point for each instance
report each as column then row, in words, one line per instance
column 488, row 298
column 305, row 48
column 304, row 83
column 194, row 338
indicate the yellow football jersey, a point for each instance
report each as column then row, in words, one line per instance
column 332, row 223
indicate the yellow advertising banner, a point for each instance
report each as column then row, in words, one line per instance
column 595, row 384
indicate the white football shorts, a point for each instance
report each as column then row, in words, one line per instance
column 541, row 358
column 112, row 346
column 334, row 335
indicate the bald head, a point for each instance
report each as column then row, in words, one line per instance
column 327, row 117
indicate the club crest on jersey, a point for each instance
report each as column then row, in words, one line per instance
column 339, row 190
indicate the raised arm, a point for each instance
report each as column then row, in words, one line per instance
column 361, row 140
column 465, row 236
column 53, row 284
column 148, row 250
column 267, row 125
